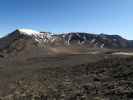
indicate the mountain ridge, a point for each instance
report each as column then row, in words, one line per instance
column 67, row 39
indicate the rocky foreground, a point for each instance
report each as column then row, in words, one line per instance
column 92, row 77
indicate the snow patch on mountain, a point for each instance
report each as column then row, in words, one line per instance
column 28, row 31
column 38, row 36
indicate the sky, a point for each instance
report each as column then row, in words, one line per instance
column 93, row 16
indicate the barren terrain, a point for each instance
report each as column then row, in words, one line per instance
column 84, row 75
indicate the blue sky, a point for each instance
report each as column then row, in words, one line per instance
column 95, row 16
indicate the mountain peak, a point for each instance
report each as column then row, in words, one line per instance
column 28, row 31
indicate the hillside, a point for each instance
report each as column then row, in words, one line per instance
column 71, row 66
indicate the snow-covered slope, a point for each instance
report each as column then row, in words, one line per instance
column 36, row 35
column 28, row 31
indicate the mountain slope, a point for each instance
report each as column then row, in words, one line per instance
column 97, row 40
column 28, row 73
column 25, row 38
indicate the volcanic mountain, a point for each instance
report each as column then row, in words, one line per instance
column 25, row 38
column 69, row 66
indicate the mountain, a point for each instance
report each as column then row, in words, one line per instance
column 21, row 38
column 69, row 66
column 25, row 38
column 96, row 40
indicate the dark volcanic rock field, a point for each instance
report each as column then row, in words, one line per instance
column 99, row 77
